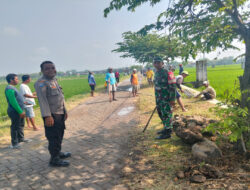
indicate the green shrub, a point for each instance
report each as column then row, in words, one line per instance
column 234, row 120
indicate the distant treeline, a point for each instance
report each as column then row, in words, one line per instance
column 75, row 73
column 225, row 61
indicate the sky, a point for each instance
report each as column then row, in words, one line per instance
column 71, row 33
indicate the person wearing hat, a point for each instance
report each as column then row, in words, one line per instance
column 134, row 82
column 209, row 93
column 179, row 81
column 111, row 84
column 165, row 94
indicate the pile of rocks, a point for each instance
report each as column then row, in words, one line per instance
column 200, row 173
column 191, row 130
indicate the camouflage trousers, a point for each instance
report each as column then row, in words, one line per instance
column 165, row 113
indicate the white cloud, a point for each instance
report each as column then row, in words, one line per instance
column 10, row 31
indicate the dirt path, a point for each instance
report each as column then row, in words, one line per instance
column 97, row 134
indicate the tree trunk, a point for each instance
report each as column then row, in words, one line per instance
column 245, row 79
column 245, row 87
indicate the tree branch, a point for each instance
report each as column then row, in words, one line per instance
column 236, row 12
column 235, row 7
column 235, row 16
column 248, row 25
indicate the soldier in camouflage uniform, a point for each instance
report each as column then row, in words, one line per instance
column 165, row 93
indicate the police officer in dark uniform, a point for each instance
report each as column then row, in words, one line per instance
column 52, row 105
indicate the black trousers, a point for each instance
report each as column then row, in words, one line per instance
column 117, row 79
column 207, row 96
column 92, row 87
column 55, row 134
column 16, row 128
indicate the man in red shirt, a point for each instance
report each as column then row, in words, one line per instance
column 117, row 76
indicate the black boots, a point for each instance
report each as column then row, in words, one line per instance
column 58, row 162
column 164, row 134
column 65, row 155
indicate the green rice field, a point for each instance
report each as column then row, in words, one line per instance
column 71, row 87
column 221, row 78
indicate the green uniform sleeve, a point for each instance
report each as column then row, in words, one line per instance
column 171, row 86
column 172, row 92
column 12, row 100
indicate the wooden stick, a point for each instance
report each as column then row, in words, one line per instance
column 149, row 120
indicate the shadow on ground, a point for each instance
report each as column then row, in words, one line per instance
column 95, row 162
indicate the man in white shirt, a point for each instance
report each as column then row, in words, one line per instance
column 179, row 81
column 29, row 102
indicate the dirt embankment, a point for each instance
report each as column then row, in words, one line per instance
column 169, row 164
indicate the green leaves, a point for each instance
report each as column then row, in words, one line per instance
column 130, row 4
column 194, row 26
column 234, row 120
column 203, row 25
column 143, row 48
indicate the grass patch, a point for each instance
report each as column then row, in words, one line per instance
column 72, row 86
column 222, row 78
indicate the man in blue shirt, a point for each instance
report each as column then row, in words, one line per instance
column 111, row 84
column 92, row 83
column 181, row 69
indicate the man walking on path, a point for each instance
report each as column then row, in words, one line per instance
column 165, row 94
column 52, row 105
column 92, row 83
column 209, row 93
column 29, row 102
column 111, row 84
column 15, row 111
column 179, row 81
column 117, row 77
column 134, row 82
column 150, row 74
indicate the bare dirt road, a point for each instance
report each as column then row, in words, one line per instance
column 97, row 135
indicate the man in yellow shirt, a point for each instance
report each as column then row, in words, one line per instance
column 150, row 75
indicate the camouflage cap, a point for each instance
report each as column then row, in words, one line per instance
column 158, row 59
